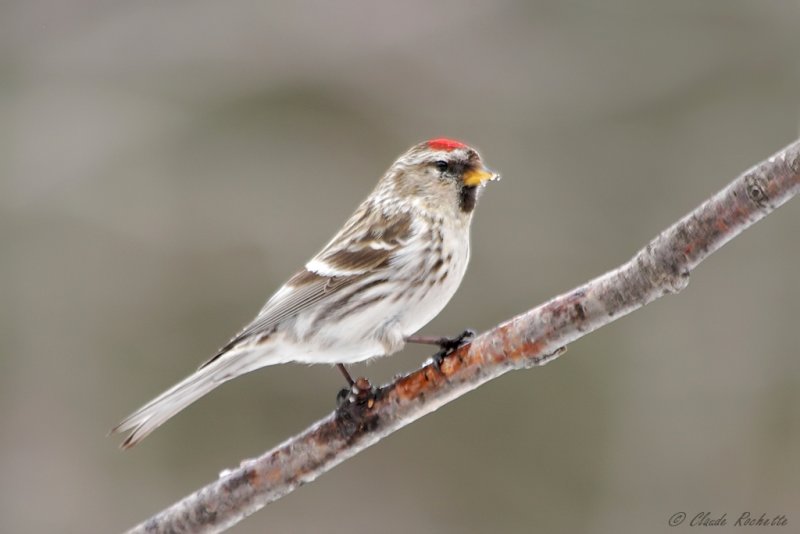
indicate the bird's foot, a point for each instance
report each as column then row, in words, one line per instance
column 448, row 344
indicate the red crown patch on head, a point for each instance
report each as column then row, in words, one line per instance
column 442, row 143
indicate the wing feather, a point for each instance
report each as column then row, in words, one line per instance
column 365, row 246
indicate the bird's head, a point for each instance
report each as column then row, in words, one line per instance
column 441, row 174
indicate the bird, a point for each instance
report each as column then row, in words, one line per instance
column 390, row 270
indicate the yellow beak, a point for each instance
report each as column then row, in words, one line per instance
column 475, row 177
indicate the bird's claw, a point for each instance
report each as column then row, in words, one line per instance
column 449, row 344
column 463, row 338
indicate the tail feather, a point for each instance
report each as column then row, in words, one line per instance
column 156, row 412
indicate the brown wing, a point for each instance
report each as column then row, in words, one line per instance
column 365, row 246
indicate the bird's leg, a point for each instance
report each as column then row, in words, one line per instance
column 346, row 374
column 341, row 397
column 446, row 344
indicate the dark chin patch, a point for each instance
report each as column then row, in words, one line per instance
column 467, row 198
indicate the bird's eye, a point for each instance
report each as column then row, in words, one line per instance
column 442, row 165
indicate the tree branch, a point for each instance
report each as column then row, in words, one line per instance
column 530, row 339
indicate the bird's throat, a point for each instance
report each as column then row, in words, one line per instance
column 467, row 198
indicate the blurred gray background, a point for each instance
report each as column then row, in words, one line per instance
column 164, row 166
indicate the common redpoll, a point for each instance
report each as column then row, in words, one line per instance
column 391, row 269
